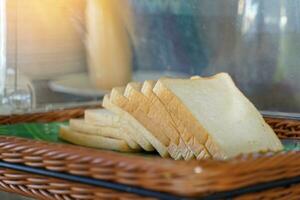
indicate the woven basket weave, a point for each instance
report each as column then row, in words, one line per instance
column 191, row 179
column 50, row 188
column 52, row 116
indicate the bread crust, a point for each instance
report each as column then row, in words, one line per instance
column 117, row 98
column 158, row 110
column 186, row 124
column 135, row 135
column 152, row 122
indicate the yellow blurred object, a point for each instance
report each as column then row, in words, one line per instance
column 108, row 46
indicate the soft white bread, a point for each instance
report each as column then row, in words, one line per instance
column 128, row 125
column 80, row 125
column 102, row 117
column 151, row 122
column 125, row 108
column 189, row 147
column 136, row 101
column 195, row 77
column 217, row 114
column 181, row 116
column 92, row 140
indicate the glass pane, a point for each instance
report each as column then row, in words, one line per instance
column 256, row 41
column 76, row 50
column 2, row 47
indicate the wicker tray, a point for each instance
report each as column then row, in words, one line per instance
column 180, row 178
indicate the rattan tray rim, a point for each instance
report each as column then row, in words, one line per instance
column 176, row 177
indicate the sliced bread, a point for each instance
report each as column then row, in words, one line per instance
column 102, row 117
column 92, row 140
column 126, row 107
column 128, row 125
column 80, row 125
column 188, row 147
column 217, row 114
column 153, row 123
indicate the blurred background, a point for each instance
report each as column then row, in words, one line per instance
column 61, row 53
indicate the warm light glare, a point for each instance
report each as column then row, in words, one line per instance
column 42, row 40
column 2, row 45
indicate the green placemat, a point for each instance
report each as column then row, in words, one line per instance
column 49, row 132
column 37, row 131
column 291, row 145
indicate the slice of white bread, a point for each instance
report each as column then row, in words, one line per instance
column 218, row 115
column 118, row 99
column 79, row 125
column 102, row 117
column 127, row 124
column 153, row 123
column 92, row 140
column 189, row 147
column 196, row 148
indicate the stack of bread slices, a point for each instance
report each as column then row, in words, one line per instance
column 194, row 118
